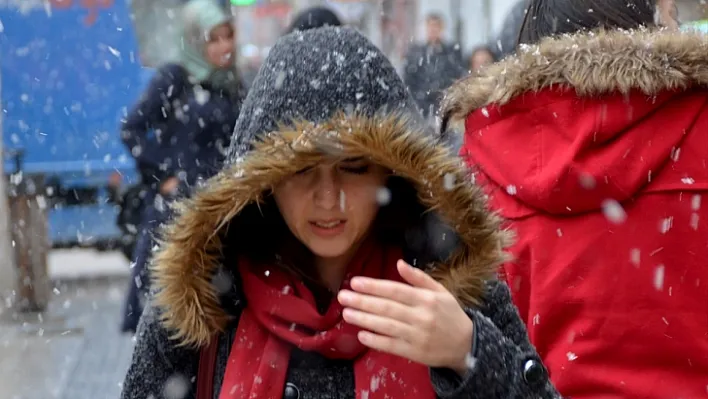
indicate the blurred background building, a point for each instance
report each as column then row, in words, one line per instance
column 391, row 24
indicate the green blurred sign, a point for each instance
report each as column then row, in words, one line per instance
column 243, row 2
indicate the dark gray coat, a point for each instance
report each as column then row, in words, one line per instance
column 429, row 69
column 357, row 108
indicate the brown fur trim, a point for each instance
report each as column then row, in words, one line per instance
column 189, row 256
column 591, row 63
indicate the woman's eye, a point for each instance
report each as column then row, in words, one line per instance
column 358, row 170
column 303, row 170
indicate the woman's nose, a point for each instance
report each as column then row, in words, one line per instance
column 227, row 45
column 327, row 192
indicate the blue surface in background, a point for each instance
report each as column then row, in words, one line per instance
column 66, row 81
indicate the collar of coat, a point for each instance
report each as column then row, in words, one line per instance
column 590, row 63
column 191, row 251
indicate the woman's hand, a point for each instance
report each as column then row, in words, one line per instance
column 421, row 322
column 169, row 186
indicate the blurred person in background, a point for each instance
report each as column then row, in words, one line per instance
column 314, row 17
column 592, row 142
column 480, row 58
column 285, row 276
column 179, row 130
column 433, row 66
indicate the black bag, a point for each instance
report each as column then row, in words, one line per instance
column 132, row 203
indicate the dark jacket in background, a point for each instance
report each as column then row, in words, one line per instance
column 359, row 105
column 430, row 69
column 179, row 128
column 176, row 129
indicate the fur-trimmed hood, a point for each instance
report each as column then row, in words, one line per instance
column 587, row 118
column 591, row 64
column 192, row 252
column 322, row 94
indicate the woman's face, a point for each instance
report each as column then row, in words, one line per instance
column 331, row 207
column 220, row 46
column 480, row 59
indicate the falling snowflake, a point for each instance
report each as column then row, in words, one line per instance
column 201, row 96
column 470, row 361
column 449, row 181
column 696, row 202
column 511, row 189
column 613, row 211
column 176, row 387
column 222, row 282
column 666, row 224
column 675, row 153
column 571, row 356
column 687, row 180
column 587, row 181
column 342, row 201
column 485, row 112
column 635, row 256
column 694, row 221
column 383, row 196
column 659, row 278
column 374, row 383
column 536, row 319
column 113, row 51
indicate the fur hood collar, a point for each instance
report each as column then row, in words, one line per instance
column 193, row 246
column 591, row 64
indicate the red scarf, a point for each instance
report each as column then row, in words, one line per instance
column 281, row 314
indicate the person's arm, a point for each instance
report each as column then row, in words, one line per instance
column 159, row 369
column 503, row 363
column 153, row 107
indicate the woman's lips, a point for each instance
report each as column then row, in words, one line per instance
column 328, row 228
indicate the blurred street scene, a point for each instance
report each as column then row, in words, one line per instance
column 73, row 349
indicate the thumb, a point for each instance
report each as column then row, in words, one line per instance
column 417, row 277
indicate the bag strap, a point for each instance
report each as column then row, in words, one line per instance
column 205, row 372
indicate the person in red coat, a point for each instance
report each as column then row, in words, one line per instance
column 592, row 141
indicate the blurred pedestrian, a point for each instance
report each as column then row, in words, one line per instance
column 284, row 277
column 179, row 131
column 480, row 57
column 432, row 66
column 592, row 142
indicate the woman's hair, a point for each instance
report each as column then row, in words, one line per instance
column 260, row 233
column 546, row 18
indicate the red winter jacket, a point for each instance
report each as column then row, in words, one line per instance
column 595, row 148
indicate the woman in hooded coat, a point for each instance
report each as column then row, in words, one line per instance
column 283, row 276
column 607, row 131
column 180, row 129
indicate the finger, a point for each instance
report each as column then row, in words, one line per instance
column 378, row 306
column 378, row 324
column 418, row 278
column 390, row 345
column 393, row 290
